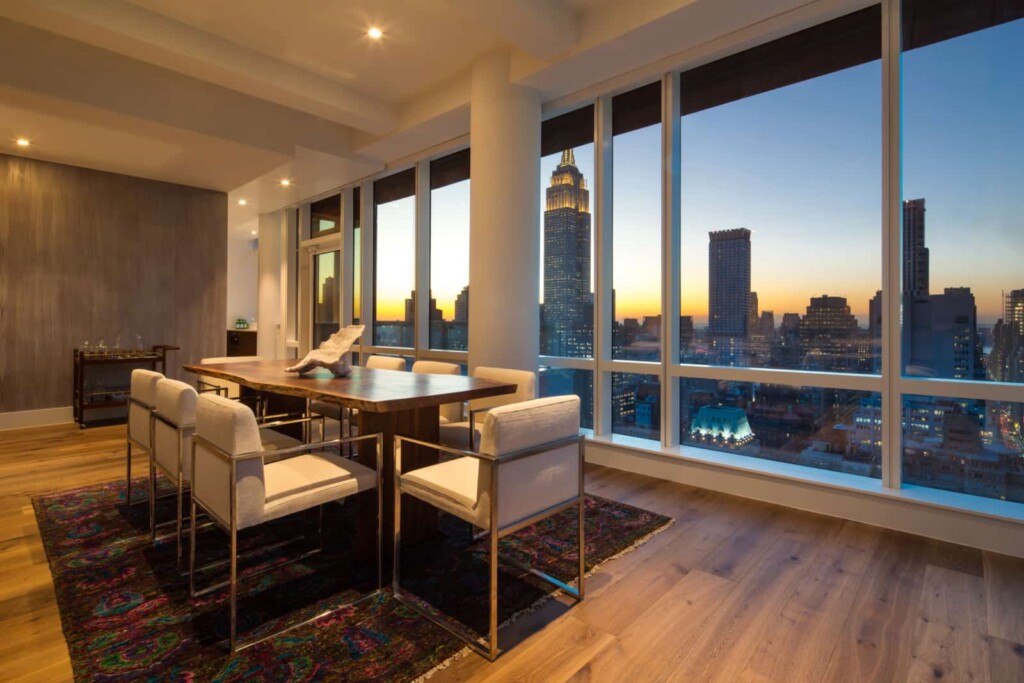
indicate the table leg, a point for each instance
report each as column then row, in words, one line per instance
column 419, row 520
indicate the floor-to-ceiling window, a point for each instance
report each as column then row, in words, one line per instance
column 567, row 257
column 780, row 252
column 636, row 283
column 394, row 253
column 356, row 270
column 326, row 290
column 448, row 313
column 962, row 246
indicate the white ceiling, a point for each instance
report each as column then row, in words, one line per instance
column 424, row 42
column 235, row 94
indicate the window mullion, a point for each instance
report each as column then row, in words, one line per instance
column 603, row 165
column 421, row 326
column 891, row 282
column 670, row 243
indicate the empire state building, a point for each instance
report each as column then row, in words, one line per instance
column 568, row 302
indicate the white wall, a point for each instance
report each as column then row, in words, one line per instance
column 243, row 272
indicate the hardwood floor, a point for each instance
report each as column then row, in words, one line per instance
column 735, row 590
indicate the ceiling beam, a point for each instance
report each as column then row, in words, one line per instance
column 543, row 29
column 141, row 34
column 54, row 66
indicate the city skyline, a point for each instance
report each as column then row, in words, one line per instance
column 789, row 177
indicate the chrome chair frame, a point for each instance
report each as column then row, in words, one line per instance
column 231, row 526
column 490, row 649
column 154, row 466
column 129, row 441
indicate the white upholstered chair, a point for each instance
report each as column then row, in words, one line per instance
column 459, row 434
column 449, row 412
column 378, row 362
column 141, row 399
column 173, row 424
column 529, row 466
column 235, row 484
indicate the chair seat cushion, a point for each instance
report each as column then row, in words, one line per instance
column 453, row 486
column 305, row 481
column 456, row 435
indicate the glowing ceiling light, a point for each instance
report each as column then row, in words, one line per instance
column 243, row 202
column 374, row 33
column 22, row 142
column 285, row 182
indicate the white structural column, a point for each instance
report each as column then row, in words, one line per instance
column 504, row 242
column 272, row 294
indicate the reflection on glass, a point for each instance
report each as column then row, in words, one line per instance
column 567, row 312
column 449, row 267
column 964, row 445
column 963, row 146
column 326, row 308
column 395, row 273
column 636, row 405
column 831, row 429
column 565, row 382
column 636, row 245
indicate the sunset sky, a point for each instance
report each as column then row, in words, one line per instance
column 801, row 168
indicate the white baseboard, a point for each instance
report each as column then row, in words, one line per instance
column 905, row 510
column 36, row 418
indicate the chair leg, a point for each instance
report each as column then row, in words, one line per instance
column 128, row 474
column 152, row 500
column 493, row 639
column 181, row 503
column 582, row 547
column 396, row 539
column 234, row 589
column 320, row 526
column 192, row 549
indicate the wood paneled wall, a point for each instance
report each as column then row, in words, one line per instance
column 86, row 254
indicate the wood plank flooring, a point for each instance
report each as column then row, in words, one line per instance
column 735, row 590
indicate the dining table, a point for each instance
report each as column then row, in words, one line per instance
column 389, row 402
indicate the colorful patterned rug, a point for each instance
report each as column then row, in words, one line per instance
column 127, row 615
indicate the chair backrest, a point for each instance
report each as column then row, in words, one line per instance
column 232, row 387
column 534, row 483
column 450, row 412
column 231, row 427
column 175, row 402
column 385, row 362
column 143, row 390
column 525, row 381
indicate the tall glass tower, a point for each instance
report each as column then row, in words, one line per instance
column 568, row 301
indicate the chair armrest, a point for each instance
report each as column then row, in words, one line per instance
column 294, row 421
column 287, row 452
column 504, row 457
column 204, row 387
column 440, row 447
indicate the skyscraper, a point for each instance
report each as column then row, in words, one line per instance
column 728, row 292
column 462, row 306
column 827, row 334
column 1006, row 364
column 915, row 253
column 568, row 303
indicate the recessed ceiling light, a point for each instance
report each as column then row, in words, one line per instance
column 374, row 33
column 242, row 202
column 285, row 182
column 254, row 232
column 22, row 142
